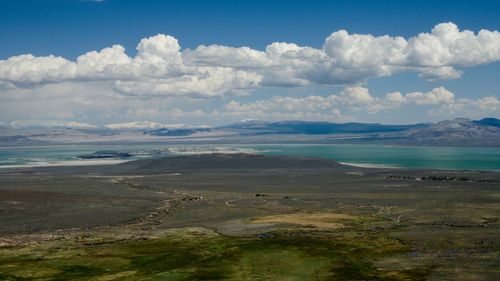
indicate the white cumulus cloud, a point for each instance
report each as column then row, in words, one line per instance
column 162, row 68
column 354, row 98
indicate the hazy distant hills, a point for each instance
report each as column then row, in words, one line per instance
column 255, row 127
column 457, row 132
column 461, row 132
column 489, row 122
column 304, row 127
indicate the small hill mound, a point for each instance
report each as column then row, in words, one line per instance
column 223, row 162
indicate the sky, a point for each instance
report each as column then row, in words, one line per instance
column 119, row 63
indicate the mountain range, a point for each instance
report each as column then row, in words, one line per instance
column 457, row 132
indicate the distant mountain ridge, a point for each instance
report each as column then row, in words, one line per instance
column 255, row 127
column 306, row 127
column 460, row 132
column 489, row 121
column 457, row 132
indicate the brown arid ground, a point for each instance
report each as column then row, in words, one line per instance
column 321, row 220
column 244, row 217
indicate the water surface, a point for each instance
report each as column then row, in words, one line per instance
column 469, row 158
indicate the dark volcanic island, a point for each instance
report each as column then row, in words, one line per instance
column 247, row 217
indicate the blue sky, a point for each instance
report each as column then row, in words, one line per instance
column 41, row 26
column 71, row 28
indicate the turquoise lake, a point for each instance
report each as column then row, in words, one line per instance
column 468, row 158
column 397, row 156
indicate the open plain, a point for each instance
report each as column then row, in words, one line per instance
column 248, row 217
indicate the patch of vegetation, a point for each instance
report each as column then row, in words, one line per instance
column 284, row 255
column 438, row 178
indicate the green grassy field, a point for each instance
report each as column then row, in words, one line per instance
column 203, row 255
